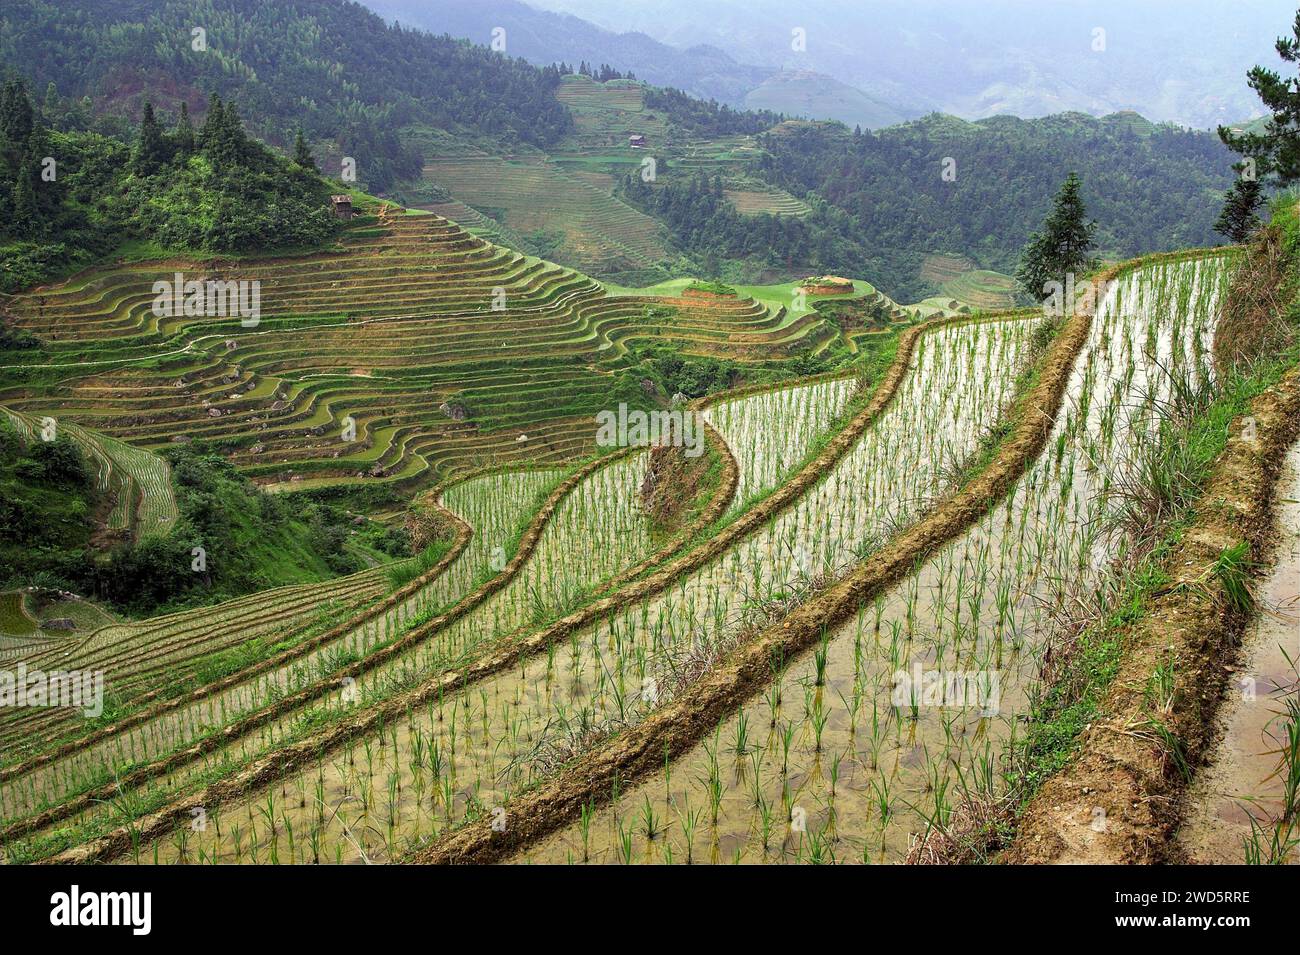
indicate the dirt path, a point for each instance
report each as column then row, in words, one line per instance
column 1121, row 799
column 1239, row 783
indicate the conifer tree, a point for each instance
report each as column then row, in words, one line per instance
column 1239, row 218
column 183, row 134
column 17, row 120
column 1061, row 249
column 150, row 148
column 26, row 213
column 1276, row 150
column 301, row 154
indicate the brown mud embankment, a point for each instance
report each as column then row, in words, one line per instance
column 1121, row 798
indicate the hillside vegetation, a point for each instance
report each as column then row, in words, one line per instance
column 1151, row 188
column 73, row 197
column 333, row 68
column 57, row 511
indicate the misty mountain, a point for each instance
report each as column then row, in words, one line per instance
column 1180, row 61
column 702, row 69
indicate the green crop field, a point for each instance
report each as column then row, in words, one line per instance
column 958, row 278
column 772, row 201
column 590, row 227
column 402, row 327
column 424, row 452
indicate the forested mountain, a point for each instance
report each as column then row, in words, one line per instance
column 542, row 37
column 702, row 70
column 1149, row 187
column 69, row 197
column 880, row 202
column 332, row 67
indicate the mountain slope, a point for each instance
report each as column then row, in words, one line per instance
column 1181, row 61
column 701, row 69
column 544, row 38
column 811, row 95
column 333, row 67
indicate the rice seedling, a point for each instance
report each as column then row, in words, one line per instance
column 517, row 712
column 973, row 615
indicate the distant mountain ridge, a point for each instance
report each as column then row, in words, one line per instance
column 704, row 70
column 1180, row 61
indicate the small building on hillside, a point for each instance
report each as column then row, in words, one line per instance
column 342, row 206
column 636, row 141
column 827, row 285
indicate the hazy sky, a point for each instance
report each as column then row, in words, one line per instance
column 1183, row 60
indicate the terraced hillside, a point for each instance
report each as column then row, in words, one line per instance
column 948, row 514
column 565, row 203
column 957, row 277
column 838, row 516
column 583, row 223
column 606, row 114
column 435, row 351
column 137, row 482
column 773, row 201
column 36, row 619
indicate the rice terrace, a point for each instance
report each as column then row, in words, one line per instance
column 446, row 433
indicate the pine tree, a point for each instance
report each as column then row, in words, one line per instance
column 208, row 134
column 150, row 148
column 223, row 139
column 16, row 115
column 1239, row 218
column 183, row 134
column 301, row 154
column 1276, row 150
column 50, row 108
column 1061, row 249
column 27, row 221
column 17, row 120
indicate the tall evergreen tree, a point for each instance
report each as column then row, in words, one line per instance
column 27, row 222
column 183, row 134
column 17, row 120
column 1062, row 247
column 151, row 147
column 1240, row 218
column 223, row 138
column 1276, row 150
column 215, row 117
column 301, row 154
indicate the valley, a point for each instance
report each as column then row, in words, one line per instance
column 416, row 454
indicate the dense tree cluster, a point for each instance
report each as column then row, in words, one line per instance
column 252, row 540
column 601, row 74
column 31, row 194
column 215, row 189
column 708, row 117
column 707, row 227
column 340, row 71
column 1150, row 187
